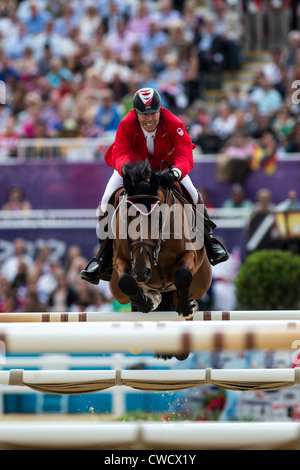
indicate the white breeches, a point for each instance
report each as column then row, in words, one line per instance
column 116, row 181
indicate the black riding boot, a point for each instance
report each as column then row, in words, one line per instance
column 103, row 268
column 216, row 252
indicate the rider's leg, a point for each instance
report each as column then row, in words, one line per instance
column 216, row 252
column 102, row 270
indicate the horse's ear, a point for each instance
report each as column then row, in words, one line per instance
column 154, row 182
column 128, row 185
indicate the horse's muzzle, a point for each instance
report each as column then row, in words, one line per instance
column 142, row 277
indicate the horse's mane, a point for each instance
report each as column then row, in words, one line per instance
column 138, row 171
column 140, row 179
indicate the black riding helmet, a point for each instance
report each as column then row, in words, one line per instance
column 146, row 101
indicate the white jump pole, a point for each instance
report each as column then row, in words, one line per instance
column 163, row 337
column 87, row 381
column 46, row 317
column 149, row 435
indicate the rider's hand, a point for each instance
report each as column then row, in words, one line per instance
column 167, row 179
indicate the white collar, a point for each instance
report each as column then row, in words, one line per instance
column 149, row 134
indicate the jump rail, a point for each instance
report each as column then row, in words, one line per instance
column 148, row 435
column 162, row 337
column 62, row 317
column 72, row 382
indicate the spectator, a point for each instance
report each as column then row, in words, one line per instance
column 254, row 24
column 233, row 160
column 278, row 18
column 14, row 43
column 293, row 143
column 84, row 298
column 11, row 265
column 30, row 116
column 292, row 48
column 63, row 25
column 8, row 70
column 32, row 302
column 263, row 204
column 120, row 42
column 108, row 116
column 170, row 83
column 237, row 99
column 209, row 47
column 73, row 252
column 139, row 23
column 283, row 123
column 60, row 46
column 9, row 138
column 275, row 71
column 27, row 64
column 89, row 23
column 37, row 19
column 188, row 61
column 16, row 200
column 165, row 16
column 266, row 97
column 151, row 40
column 192, row 19
column 56, row 64
column 260, row 214
column 237, row 199
column 100, row 303
column 50, row 114
column 224, row 122
column 109, row 64
column 158, row 64
column 223, row 288
column 115, row 12
column 97, row 42
column 265, row 155
column 229, row 27
column 9, row 302
column 5, row 113
column 63, row 296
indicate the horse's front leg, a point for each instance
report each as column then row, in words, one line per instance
column 130, row 287
column 186, row 306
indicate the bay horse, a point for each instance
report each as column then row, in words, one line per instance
column 153, row 268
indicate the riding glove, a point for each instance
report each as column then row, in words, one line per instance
column 167, row 179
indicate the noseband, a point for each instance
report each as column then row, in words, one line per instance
column 144, row 244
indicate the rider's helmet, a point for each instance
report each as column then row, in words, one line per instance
column 146, row 101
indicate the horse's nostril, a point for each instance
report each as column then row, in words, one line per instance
column 142, row 277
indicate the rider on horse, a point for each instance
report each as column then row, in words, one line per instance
column 150, row 132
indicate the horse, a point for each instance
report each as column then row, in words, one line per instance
column 154, row 266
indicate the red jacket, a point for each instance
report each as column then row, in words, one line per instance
column 172, row 144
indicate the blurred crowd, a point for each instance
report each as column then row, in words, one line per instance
column 70, row 68
column 35, row 282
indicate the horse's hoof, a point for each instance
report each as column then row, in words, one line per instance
column 182, row 357
column 179, row 357
column 163, row 356
column 155, row 297
column 187, row 310
column 145, row 305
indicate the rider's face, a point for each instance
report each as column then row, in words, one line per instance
column 150, row 121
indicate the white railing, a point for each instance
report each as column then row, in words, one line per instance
column 86, row 149
column 66, row 361
column 87, row 218
column 70, row 149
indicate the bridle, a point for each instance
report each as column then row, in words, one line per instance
column 145, row 244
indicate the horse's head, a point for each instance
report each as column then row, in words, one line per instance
column 142, row 186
